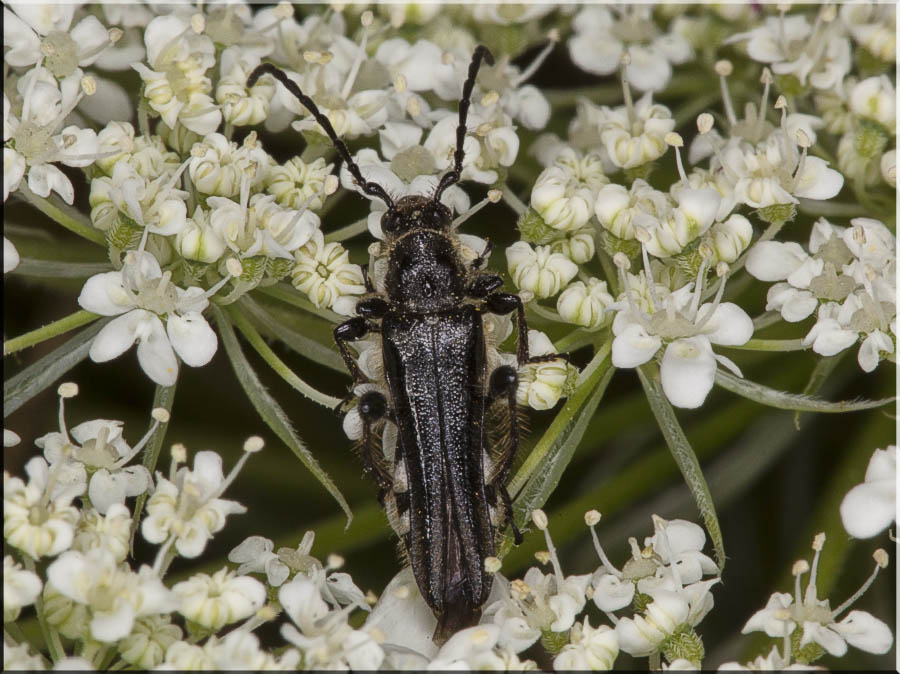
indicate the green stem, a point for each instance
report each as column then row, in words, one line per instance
column 143, row 117
column 607, row 93
column 512, row 199
column 51, row 636
column 283, row 371
column 544, row 312
column 766, row 319
column 348, row 231
column 770, row 345
column 163, row 397
column 830, row 209
column 288, row 295
column 587, row 380
column 49, row 331
column 64, row 215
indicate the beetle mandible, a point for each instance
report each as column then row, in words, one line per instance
column 446, row 491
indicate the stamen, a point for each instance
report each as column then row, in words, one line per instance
column 65, row 390
column 804, row 143
column 601, row 554
column 179, row 455
column 675, row 140
column 881, row 561
column 175, row 176
column 781, row 104
column 800, row 567
column 161, row 555
column 626, row 89
column 722, row 273
column 493, row 196
column 724, row 69
column 767, row 80
column 250, row 447
column 698, row 287
column 818, row 543
column 234, row 269
column 868, row 275
column 26, row 99
column 160, row 416
column 635, row 549
column 366, row 21
column 553, row 37
column 643, row 236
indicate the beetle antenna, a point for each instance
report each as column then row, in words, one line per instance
column 370, row 188
column 452, row 177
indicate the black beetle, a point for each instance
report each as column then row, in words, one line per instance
column 446, row 488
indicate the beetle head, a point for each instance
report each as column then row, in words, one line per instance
column 415, row 212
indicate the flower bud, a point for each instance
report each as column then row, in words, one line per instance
column 874, row 98
column 586, row 305
column 578, row 246
column 539, row 270
column 730, row 238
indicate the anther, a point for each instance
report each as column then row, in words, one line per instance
column 492, row 564
column 539, row 517
column 723, row 68
column 542, row 556
column 400, row 83
column 198, row 23
column 621, row 260
column 161, row 414
column 334, row 561
column 591, row 517
column 254, row 443
column 705, row 122
column 179, row 453
column 115, row 34
column 284, row 10
column 800, row 567
column 67, row 389
column 234, row 267
column 490, row 98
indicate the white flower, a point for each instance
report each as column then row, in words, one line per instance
column 255, row 556
column 785, row 613
column 242, row 106
column 20, row 657
column 542, row 385
column 602, row 37
column 149, row 640
column 594, row 648
column 199, row 240
column 10, row 256
column 38, row 517
column 874, row 27
column 148, row 156
column 564, row 194
column 39, row 33
column 325, row 638
column 874, row 98
column 323, row 272
column 494, row 143
column 619, row 209
column 729, row 239
column 115, row 596
column 688, row 329
column 187, row 506
column 32, row 143
column 297, row 183
column 539, row 270
column 635, row 137
column 869, row 508
column 100, row 447
column 586, row 305
column 111, row 531
column 20, row 588
column 261, row 227
column 175, row 84
column 126, row 196
column 669, row 611
column 219, row 600
column 578, row 246
column 689, row 219
column 139, row 294
column 220, row 167
column 679, row 543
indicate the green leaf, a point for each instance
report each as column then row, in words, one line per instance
column 823, row 369
column 39, row 375
column 58, row 269
column 270, row 410
column 792, row 401
column 683, row 454
column 302, row 344
column 542, row 469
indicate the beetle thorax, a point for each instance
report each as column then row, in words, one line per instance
column 425, row 272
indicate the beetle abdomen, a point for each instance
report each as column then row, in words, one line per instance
column 435, row 369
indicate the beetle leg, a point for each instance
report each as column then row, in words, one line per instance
column 504, row 382
column 366, row 280
column 483, row 285
column 503, row 303
column 349, row 331
column 372, row 406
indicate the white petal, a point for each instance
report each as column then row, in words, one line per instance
column 67, row 575
column 192, row 338
column 865, row 632
column 106, row 489
column 10, row 256
column 13, row 170
column 774, row 260
column 634, row 346
column 44, row 178
column 118, row 336
column 688, row 371
column 827, row 638
column 113, row 625
column 155, row 353
column 869, row 508
column 105, row 294
column 729, row 324
column 817, row 180
column 612, row 594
